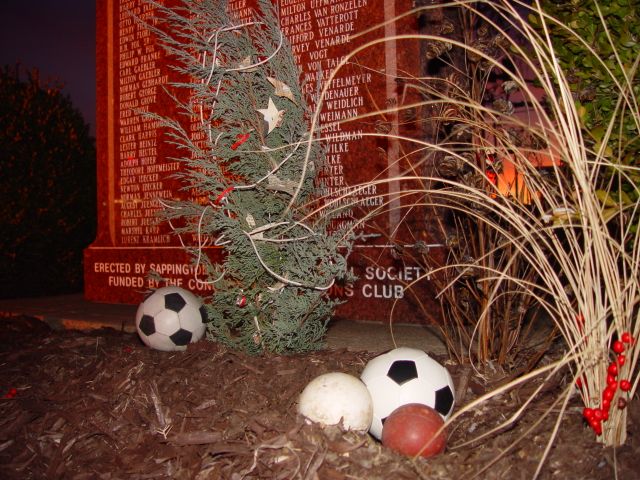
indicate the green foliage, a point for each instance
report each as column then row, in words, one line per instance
column 47, row 204
column 598, row 46
column 255, row 186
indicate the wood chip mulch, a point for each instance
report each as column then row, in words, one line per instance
column 100, row 405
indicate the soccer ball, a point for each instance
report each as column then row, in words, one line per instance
column 170, row 318
column 406, row 375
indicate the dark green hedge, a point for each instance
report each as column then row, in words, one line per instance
column 47, row 199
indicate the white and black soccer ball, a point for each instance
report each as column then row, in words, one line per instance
column 406, row 375
column 171, row 318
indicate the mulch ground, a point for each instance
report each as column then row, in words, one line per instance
column 101, row 405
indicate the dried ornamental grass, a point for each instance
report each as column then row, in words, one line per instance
column 576, row 231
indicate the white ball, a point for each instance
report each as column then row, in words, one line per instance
column 336, row 396
column 406, row 375
column 170, row 318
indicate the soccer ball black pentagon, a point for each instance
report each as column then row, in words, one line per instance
column 406, row 375
column 170, row 318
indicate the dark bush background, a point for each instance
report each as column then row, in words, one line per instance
column 48, row 194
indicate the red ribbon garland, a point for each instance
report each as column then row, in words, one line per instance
column 223, row 194
column 241, row 138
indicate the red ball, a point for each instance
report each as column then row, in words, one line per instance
column 411, row 430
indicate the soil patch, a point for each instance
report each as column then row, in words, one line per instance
column 101, row 405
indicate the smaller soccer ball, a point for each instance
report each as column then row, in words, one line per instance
column 406, row 375
column 337, row 397
column 170, row 318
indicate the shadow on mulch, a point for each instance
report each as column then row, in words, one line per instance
column 101, row 405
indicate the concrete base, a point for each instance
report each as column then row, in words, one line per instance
column 74, row 312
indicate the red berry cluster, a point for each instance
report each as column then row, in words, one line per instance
column 595, row 416
column 11, row 393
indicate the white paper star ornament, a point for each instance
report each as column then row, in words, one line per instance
column 282, row 89
column 272, row 116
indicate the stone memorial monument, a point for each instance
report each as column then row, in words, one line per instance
column 358, row 117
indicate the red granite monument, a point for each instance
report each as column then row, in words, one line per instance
column 358, row 117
